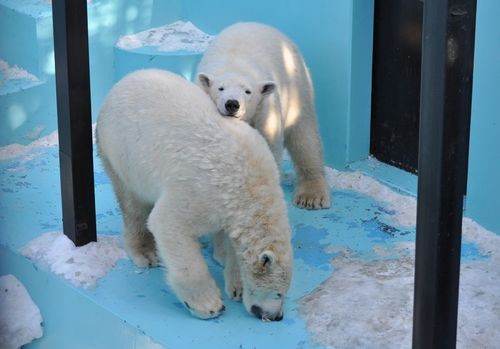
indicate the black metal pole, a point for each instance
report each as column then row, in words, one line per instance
column 446, row 89
column 74, row 119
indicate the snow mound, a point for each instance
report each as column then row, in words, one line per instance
column 12, row 151
column 369, row 304
column 20, row 318
column 177, row 36
column 14, row 73
column 30, row 151
column 405, row 207
column 362, row 305
column 487, row 241
column 82, row 266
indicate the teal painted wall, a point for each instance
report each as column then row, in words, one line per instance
column 107, row 21
column 483, row 201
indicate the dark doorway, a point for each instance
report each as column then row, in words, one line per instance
column 397, row 48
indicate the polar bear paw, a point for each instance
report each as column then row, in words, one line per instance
column 141, row 248
column 145, row 259
column 204, row 303
column 234, row 288
column 312, row 195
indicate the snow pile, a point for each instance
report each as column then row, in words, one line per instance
column 369, row 304
column 362, row 305
column 404, row 206
column 20, row 318
column 82, row 266
column 12, row 151
column 487, row 241
column 31, row 150
column 14, row 73
column 178, row 36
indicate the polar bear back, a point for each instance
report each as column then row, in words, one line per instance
column 158, row 132
column 264, row 53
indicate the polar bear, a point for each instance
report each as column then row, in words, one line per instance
column 255, row 73
column 179, row 170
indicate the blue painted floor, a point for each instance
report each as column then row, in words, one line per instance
column 130, row 304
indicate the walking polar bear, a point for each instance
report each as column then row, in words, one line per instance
column 179, row 170
column 255, row 73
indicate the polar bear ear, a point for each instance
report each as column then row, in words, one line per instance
column 266, row 258
column 205, row 80
column 267, row 87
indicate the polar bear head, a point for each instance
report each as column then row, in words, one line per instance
column 236, row 95
column 266, row 279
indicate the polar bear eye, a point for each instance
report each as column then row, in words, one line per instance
column 248, row 92
column 221, row 88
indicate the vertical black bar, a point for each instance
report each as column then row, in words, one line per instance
column 74, row 119
column 446, row 89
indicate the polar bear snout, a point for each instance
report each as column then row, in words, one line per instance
column 232, row 106
column 265, row 316
column 267, row 305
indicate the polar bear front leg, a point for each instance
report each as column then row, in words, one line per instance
column 187, row 272
column 303, row 143
column 232, row 276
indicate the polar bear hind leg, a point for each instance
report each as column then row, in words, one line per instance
column 139, row 242
column 218, row 245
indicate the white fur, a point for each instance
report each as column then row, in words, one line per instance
column 179, row 171
column 264, row 71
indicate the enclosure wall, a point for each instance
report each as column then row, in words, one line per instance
column 483, row 202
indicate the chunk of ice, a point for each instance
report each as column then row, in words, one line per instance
column 177, row 36
column 82, row 266
column 20, row 318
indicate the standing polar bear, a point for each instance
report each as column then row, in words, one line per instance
column 179, row 170
column 255, row 73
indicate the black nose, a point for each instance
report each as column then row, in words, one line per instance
column 232, row 106
column 257, row 311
